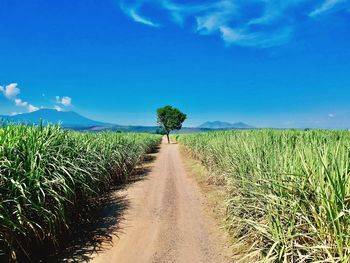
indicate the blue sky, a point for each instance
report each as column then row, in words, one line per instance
column 268, row 63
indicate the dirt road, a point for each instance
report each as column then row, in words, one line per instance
column 167, row 220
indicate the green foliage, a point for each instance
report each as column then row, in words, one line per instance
column 288, row 191
column 160, row 131
column 46, row 173
column 170, row 118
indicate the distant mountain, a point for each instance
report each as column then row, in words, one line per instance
column 146, row 129
column 224, row 125
column 75, row 121
column 68, row 119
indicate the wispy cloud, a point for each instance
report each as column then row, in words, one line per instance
column 21, row 103
column 255, row 39
column 326, row 6
column 11, row 92
column 63, row 102
column 132, row 11
column 58, row 108
column 32, row 108
column 253, row 23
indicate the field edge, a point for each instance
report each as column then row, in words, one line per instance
column 215, row 193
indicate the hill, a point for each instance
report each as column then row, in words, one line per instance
column 224, row 125
column 68, row 119
column 75, row 121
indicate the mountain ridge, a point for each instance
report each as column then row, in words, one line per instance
column 225, row 125
column 66, row 118
column 75, row 121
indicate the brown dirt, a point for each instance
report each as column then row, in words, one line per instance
column 167, row 219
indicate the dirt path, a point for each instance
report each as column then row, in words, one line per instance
column 167, row 220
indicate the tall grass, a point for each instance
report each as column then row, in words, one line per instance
column 46, row 173
column 288, row 191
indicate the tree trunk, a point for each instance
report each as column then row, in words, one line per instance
column 167, row 135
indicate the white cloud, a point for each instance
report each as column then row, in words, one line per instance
column 132, row 11
column 58, row 108
column 256, row 39
column 11, row 91
column 32, row 108
column 217, row 16
column 325, row 7
column 65, row 101
column 19, row 102
column 229, row 35
column 331, row 115
column 273, row 24
column 141, row 19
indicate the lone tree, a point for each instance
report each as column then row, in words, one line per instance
column 169, row 119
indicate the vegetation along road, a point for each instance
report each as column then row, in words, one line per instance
column 166, row 221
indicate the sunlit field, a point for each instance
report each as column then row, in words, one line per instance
column 288, row 192
column 46, row 173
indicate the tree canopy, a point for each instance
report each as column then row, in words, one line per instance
column 169, row 119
